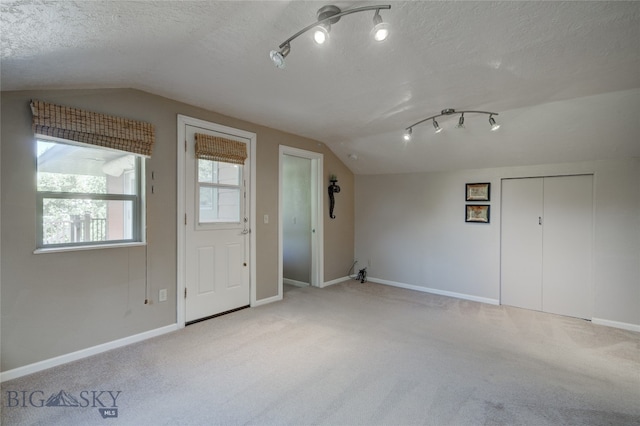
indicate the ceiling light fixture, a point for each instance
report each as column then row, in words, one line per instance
column 494, row 126
column 407, row 134
column 326, row 16
column 278, row 57
column 321, row 34
column 437, row 126
column 450, row 111
column 380, row 29
column 321, row 31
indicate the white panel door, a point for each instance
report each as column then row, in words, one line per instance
column 216, row 237
column 521, row 266
column 567, row 236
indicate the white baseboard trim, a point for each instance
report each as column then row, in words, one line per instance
column 436, row 291
column 295, row 283
column 268, row 300
column 336, row 281
column 83, row 353
column 597, row 321
column 616, row 324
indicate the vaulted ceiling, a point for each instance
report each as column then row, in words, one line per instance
column 563, row 76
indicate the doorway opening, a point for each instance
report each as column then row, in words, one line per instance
column 300, row 239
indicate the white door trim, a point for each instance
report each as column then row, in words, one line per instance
column 317, row 245
column 183, row 121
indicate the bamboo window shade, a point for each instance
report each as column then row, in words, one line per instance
column 92, row 128
column 220, row 149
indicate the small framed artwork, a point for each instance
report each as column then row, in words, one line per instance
column 478, row 191
column 477, row 213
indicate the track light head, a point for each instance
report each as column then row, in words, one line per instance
column 494, row 126
column 278, row 57
column 407, row 134
column 380, row 29
column 436, row 126
column 322, row 30
column 321, row 33
column 461, row 121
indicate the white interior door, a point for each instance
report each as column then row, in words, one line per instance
column 521, row 266
column 216, row 237
column 567, row 235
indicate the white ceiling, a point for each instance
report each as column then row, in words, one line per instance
column 563, row 76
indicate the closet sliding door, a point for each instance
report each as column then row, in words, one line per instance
column 567, row 236
column 521, row 247
column 547, row 232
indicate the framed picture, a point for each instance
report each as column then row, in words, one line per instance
column 478, row 191
column 478, row 213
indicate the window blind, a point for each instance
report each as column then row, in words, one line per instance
column 93, row 128
column 220, row 149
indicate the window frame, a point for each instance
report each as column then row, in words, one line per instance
column 241, row 197
column 137, row 201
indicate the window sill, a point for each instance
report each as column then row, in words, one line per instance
column 83, row 248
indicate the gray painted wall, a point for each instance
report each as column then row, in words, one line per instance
column 410, row 229
column 57, row 303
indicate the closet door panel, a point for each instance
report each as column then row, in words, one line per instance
column 521, row 272
column 567, row 238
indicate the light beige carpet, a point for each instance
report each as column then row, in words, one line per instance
column 352, row 354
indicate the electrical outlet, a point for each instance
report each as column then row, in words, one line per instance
column 162, row 297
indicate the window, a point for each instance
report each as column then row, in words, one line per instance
column 87, row 195
column 220, row 182
column 219, row 192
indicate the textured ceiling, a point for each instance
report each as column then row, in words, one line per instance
column 561, row 75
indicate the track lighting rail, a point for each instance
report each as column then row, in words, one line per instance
column 328, row 15
column 332, row 19
column 450, row 111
